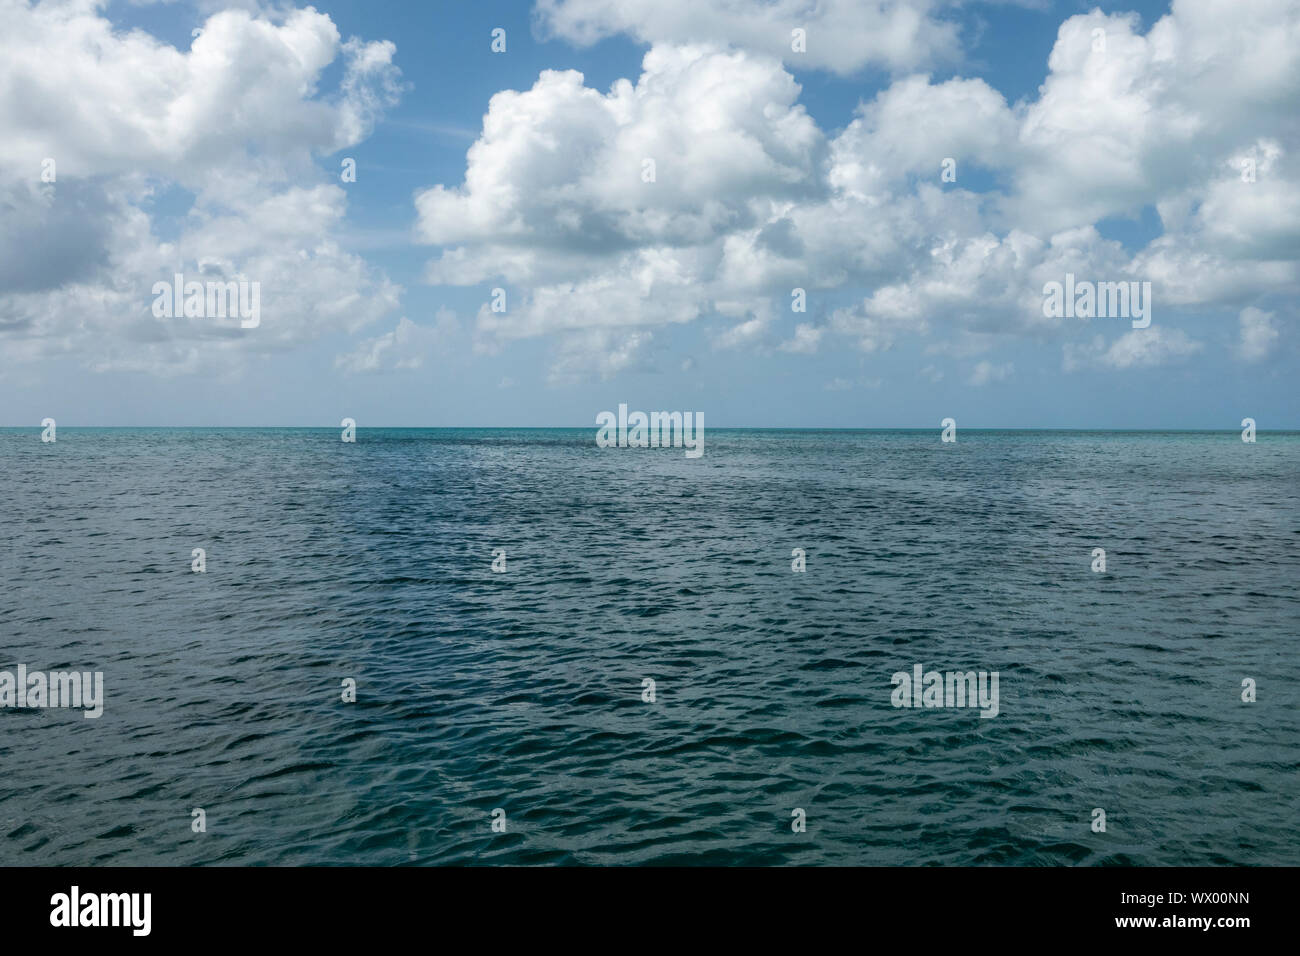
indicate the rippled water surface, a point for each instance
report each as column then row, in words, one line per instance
column 523, row 690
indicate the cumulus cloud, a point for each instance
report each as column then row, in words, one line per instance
column 1126, row 120
column 913, row 126
column 749, row 199
column 806, row 339
column 599, row 353
column 986, row 372
column 840, row 35
column 1138, row 348
column 406, row 347
column 616, row 209
column 698, row 190
column 875, row 329
column 563, row 173
column 1258, row 334
column 234, row 124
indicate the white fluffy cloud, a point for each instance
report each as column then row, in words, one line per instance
column 613, row 210
column 234, row 122
column 602, row 352
column 986, row 372
column 751, row 199
column 1137, row 348
column 1126, row 120
column 406, row 347
column 101, row 101
column 839, row 35
column 699, row 191
column 805, row 341
column 913, row 126
column 1258, row 334
column 562, row 172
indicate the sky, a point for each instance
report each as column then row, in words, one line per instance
column 648, row 190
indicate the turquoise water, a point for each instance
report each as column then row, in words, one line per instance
column 523, row 690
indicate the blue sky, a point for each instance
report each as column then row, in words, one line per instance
column 775, row 169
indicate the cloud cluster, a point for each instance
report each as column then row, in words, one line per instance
column 100, row 128
column 698, row 191
column 1192, row 122
column 1138, row 348
column 843, row 36
column 406, row 347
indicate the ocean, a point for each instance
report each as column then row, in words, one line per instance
column 505, row 716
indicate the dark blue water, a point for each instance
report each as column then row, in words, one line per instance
column 523, row 690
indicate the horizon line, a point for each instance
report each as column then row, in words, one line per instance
column 803, row 428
